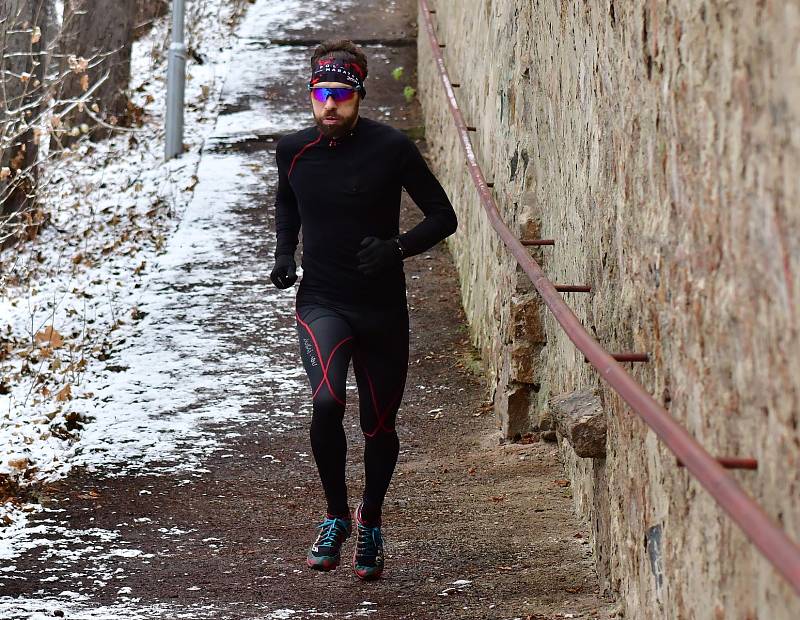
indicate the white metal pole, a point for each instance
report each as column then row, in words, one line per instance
column 176, row 77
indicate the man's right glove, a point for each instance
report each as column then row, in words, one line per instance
column 377, row 255
column 284, row 274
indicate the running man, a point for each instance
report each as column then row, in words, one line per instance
column 340, row 182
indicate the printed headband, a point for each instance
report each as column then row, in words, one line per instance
column 328, row 70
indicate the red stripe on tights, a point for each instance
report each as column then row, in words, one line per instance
column 324, row 366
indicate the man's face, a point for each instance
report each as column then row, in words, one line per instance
column 335, row 119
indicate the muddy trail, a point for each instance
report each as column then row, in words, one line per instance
column 475, row 528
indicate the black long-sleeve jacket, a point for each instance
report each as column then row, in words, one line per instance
column 341, row 191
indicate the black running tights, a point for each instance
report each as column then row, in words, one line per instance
column 377, row 342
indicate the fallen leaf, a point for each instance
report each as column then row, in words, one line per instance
column 64, row 393
column 50, row 337
column 78, row 64
column 20, row 463
column 562, row 482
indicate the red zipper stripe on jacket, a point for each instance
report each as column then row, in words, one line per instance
column 300, row 152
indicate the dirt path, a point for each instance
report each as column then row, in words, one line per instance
column 475, row 529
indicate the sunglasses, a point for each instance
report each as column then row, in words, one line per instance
column 322, row 93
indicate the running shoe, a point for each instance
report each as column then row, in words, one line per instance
column 368, row 556
column 325, row 552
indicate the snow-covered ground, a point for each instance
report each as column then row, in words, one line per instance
column 70, row 603
column 76, row 297
column 127, row 610
column 67, row 299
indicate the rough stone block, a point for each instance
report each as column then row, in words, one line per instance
column 512, row 410
column 581, row 421
column 526, row 318
column 525, row 362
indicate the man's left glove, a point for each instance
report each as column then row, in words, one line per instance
column 378, row 255
column 284, row 273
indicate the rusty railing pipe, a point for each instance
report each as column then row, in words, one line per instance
column 734, row 462
column 538, row 242
column 573, row 288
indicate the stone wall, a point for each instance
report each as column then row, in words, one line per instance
column 659, row 144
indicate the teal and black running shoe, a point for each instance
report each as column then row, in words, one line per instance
column 325, row 552
column 368, row 556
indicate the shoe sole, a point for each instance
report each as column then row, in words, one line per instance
column 323, row 565
column 367, row 576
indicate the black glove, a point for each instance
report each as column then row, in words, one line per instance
column 284, row 273
column 378, row 255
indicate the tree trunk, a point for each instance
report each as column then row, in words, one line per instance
column 23, row 42
column 101, row 32
column 148, row 11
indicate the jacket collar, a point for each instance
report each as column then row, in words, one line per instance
column 346, row 137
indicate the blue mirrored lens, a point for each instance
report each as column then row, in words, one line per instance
column 321, row 94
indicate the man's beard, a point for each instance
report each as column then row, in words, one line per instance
column 343, row 125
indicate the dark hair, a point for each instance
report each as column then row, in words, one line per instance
column 340, row 50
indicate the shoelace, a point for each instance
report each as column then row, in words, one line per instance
column 369, row 540
column 330, row 531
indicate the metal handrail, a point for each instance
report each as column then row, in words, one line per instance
column 776, row 546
